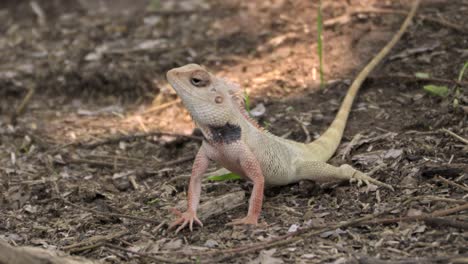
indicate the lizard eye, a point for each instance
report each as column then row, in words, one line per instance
column 200, row 78
column 195, row 81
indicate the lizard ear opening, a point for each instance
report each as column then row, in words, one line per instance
column 219, row 99
column 200, row 78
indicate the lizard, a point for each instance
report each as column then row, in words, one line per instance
column 239, row 144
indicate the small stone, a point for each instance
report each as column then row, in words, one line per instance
column 211, row 243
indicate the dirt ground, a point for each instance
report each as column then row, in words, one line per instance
column 82, row 168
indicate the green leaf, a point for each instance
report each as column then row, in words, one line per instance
column 422, row 75
column 266, row 125
column 154, row 201
column 247, row 101
column 441, row 91
column 154, row 5
column 460, row 75
column 225, row 177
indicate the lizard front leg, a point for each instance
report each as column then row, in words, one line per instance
column 193, row 197
column 252, row 170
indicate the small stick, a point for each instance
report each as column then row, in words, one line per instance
column 132, row 180
column 418, row 79
column 136, row 136
column 351, row 144
column 93, row 242
column 346, row 17
column 104, row 156
column 175, row 162
column 142, row 219
column 190, row 12
column 455, row 135
column 376, row 168
column 433, row 260
column 98, row 163
column 217, row 205
column 156, row 229
column 454, row 184
column 115, row 164
column 142, row 125
column 20, row 109
column 221, row 204
column 28, row 254
column 420, row 217
column 304, row 128
column 41, row 18
column 144, row 255
column 161, row 106
column 440, row 199
column 116, row 253
column 437, row 221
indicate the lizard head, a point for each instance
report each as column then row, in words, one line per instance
column 211, row 101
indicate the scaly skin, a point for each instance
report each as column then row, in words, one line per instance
column 236, row 142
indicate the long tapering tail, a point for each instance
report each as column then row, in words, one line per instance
column 328, row 142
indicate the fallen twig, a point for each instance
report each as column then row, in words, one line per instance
column 144, row 255
column 347, row 17
column 114, row 140
column 132, row 180
column 41, row 18
column 175, row 162
column 142, row 219
column 412, row 78
column 160, row 107
column 93, row 242
column 95, row 163
column 422, row 217
column 27, row 255
column 189, row 12
column 304, row 128
column 221, row 204
column 350, row 145
column 433, row 260
column 22, row 106
column 431, row 170
column 440, row 199
column 455, row 135
column 454, row 184
column 438, row 222
column 106, row 164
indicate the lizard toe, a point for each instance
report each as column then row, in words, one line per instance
column 187, row 218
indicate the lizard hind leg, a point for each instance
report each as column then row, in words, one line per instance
column 324, row 172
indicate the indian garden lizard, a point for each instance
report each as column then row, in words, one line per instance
column 239, row 144
column 236, row 142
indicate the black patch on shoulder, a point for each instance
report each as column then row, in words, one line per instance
column 226, row 134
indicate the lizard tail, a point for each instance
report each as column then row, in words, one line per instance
column 325, row 146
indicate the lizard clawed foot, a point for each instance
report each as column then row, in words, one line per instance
column 184, row 218
column 248, row 220
column 360, row 177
